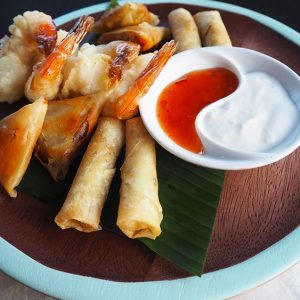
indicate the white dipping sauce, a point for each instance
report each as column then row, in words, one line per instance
column 255, row 120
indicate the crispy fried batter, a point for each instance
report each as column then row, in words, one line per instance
column 143, row 34
column 33, row 36
column 126, row 52
column 126, row 15
column 68, row 124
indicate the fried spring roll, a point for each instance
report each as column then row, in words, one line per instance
column 85, row 200
column 212, row 29
column 140, row 212
column 184, row 29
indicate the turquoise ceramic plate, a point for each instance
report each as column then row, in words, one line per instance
column 215, row 285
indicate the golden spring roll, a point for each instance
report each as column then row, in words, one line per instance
column 212, row 29
column 184, row 29
column 140, row 212
column 85, row 200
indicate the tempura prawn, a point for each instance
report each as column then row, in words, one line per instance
column 126, row 106
column 124, row 53
column 96, row 68
column 33, row 36
column 130, row 73
column 47, row 76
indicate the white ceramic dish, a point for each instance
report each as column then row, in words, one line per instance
column 240, row 61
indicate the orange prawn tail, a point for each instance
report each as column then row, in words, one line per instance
column 51, row 67
column 46, row 38
column 127, row 104
column 125, row 54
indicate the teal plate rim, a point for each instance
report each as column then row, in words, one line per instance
column 219, row 284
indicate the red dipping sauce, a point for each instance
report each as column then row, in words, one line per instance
column 181, row 101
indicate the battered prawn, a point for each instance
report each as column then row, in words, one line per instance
column 47, row 76
column 33, row 37
column 130, row 73
column 96, row 68
column 123, row 53
column 126, row 106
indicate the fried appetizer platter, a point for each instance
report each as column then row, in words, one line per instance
column 18, row 135
column 74, row 87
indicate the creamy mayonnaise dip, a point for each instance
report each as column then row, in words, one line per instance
column 255, row 120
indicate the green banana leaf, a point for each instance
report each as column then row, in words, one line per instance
column 189, row 197
column 112, row 4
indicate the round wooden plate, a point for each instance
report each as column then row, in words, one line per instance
column 258, row 207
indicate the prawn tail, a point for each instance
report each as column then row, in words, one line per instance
column 46, row 38
column 127, row 104
column 56, row 60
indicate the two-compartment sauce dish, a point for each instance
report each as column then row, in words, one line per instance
column 225, row 108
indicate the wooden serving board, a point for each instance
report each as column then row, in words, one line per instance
column 258, row 207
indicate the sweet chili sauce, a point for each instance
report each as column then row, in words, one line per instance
column 182, row 100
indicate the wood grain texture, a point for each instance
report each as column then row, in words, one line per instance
column 257, row 208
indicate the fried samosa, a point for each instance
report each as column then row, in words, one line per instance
column 143, row 34
column 18, row 135
column 126, row 15
column 68, row 124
